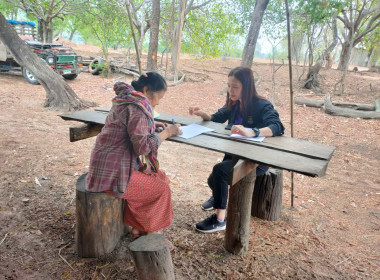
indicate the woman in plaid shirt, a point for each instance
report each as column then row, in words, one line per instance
column 124, row 159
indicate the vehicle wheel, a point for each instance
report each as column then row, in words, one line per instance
column 70, row 76
column 29, row 77
column 95, row 68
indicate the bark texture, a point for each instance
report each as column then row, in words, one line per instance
column 238, row 218
column 152, row 258
column 178, row 36
column 154, row 31
column 59, row 95
column 267, row 196
column 99, row 221
column 253, row 34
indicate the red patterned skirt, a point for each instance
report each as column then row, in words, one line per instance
column 148, row 202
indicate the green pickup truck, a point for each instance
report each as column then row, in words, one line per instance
column 61, row 59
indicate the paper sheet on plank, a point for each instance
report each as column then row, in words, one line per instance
column 193, row 130
column 254, row 139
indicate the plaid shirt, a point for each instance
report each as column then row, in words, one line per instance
column 125, row 136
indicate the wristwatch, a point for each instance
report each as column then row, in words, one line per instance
column 256, row 131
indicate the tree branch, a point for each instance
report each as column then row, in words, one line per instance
column 191, row 7
column 365, row 32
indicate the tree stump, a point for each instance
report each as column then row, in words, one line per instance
column 99, row 221
column 239, row 208
column 267, row 196
column 152, row 258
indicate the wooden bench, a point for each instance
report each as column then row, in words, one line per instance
column 283, row 152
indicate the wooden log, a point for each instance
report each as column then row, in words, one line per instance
column 345, row 112
column 319, row 103
column 309, row 102
column 152, row 258
column 84, row 131
column 377, row 105
column 99, row 221
column 267, row 196
column 239, row 214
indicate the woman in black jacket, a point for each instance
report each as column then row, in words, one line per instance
column 248, row 114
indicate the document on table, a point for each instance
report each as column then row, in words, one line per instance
column 254, row 139
column 192, row 130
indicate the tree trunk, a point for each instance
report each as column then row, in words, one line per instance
column 49, row 31
column 154, row 31
column 312, row 81
column 138, row 59
column 152, row 258
column 345, row 55
column 72, row 33
column 59, row 95
column 41, row 34
column 253, row 34
column 178, row 37
column 369, row 56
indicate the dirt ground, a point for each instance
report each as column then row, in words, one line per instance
column 331, row 233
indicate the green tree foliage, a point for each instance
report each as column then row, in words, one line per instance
column 209, row 31
column 103, row 21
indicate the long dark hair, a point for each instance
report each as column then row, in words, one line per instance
column 248, row 93
column 152, row 80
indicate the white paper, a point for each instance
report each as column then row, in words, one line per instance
column 254, row 139
column 192, row 130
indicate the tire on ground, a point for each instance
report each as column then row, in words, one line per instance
column 70, row 76
column 29, row 77
column 94, row 67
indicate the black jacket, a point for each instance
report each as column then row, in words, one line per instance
column 262, row 115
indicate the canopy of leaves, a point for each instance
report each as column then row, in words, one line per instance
column 208, row 31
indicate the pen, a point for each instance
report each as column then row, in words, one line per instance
column 173, row 121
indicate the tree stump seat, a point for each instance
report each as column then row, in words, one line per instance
column 267, row 195
column 99, row 221
column 152, row 258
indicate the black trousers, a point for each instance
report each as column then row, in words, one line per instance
column 218, row 181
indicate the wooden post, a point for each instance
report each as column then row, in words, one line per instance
column 99, row 221
column 267, row 196
column 152, row 258
column 239, row 207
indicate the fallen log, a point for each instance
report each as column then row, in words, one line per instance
column 177, row 82
column 129, row 72
column 346, row 112
column 319, row 103
column 377, row 105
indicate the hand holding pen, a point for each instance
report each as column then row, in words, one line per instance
column 174, row 128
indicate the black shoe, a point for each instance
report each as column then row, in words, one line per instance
column 209, row 204
column 210, row 224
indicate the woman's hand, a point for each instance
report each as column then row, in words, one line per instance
column 239, row 129
column 160, row 126
column 174, row 129
column 169, row 131
column 195, row 111
column 198, row 112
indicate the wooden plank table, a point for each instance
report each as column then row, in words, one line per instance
column 282, row 152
